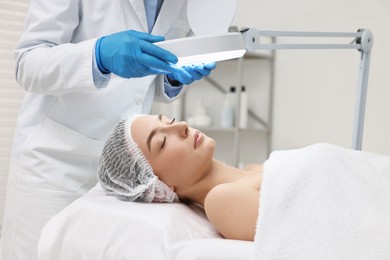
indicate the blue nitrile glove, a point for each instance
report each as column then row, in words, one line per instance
column 132, row 54
column 188, row 74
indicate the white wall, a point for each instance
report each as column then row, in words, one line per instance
column 315, row 90
column 12, row 13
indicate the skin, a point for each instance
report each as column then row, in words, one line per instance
column 182, row 157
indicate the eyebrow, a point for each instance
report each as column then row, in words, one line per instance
column 154, row 131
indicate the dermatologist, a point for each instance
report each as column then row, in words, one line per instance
column 84, row 65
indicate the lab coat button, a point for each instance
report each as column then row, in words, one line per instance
column 139, row 100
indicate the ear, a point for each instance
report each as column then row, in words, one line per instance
column 172, row 187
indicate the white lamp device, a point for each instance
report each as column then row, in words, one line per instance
column 199, row 49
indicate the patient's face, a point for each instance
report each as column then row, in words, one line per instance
column 179, row 155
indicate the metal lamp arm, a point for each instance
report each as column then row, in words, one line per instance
column 362, row 41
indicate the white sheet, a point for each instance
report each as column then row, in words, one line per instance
column 212, row 249
column 324, row 202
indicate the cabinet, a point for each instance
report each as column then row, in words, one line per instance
column 256, row 72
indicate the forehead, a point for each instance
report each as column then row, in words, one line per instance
column 141, row 128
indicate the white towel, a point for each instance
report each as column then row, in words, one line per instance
column 324, row 202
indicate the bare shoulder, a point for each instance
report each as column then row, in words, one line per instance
column 254, row 167
column 233, row 209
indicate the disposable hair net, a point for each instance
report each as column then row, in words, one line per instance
column 124, row 171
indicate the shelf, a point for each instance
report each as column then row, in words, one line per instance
column 215, row 129
column 231, row 130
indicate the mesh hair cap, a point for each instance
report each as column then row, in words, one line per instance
column 124, row 171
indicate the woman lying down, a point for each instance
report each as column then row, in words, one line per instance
column 152, row 158
column 318, row 202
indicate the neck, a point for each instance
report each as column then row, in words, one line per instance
column 218, row 173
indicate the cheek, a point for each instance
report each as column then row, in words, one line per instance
column 175, row 159
column 169, row 163
column 179, row 163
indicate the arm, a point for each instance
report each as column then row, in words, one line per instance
column 233, row 209
column 46, row 60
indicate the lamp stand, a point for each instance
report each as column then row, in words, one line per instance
column 362, row 41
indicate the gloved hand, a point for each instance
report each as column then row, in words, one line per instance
column 188, row 74
column 132, row 54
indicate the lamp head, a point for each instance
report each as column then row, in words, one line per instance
column 204, row 49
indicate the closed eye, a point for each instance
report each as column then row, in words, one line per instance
column 163, row 143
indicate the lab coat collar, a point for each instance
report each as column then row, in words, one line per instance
column 139, row 9
column 168, row 14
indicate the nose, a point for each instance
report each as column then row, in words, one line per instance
column 180, row 127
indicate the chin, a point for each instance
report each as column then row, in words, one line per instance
column 210, row 146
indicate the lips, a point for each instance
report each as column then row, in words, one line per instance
column 197, row 138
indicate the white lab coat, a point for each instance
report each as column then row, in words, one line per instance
column 65, row 119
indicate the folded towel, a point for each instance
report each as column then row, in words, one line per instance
column 324, row 202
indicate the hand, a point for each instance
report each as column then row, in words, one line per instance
column 188, row 74
column 132, row 54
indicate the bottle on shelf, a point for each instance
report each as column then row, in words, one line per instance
column 232, row 98
column 199, row 117
column 227, row 115
column 243, row 108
